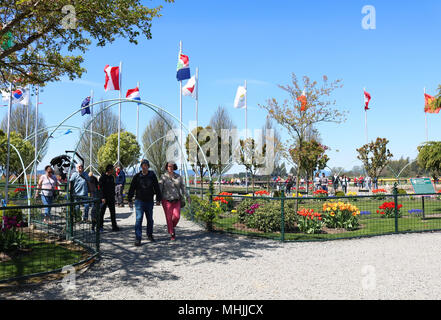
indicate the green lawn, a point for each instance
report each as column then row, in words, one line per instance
column 43, row 257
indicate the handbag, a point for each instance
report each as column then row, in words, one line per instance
column 182, row 202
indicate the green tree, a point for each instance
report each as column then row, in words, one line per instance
column 18, row 124
column 429, row 157
column 301, row 113
column 41, row 36
column 311, row 157
column 375, row 156
column 25, row 148
column 129, row 151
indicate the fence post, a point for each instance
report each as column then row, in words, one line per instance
column 210, row 192
column 424, row 211
column 396, row 206
column 97, row 223
column 282, row 210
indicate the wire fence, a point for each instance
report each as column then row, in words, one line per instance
column 315, row 218
column 42, row 235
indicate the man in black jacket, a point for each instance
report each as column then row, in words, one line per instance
column 107, row 194
column 145, row 183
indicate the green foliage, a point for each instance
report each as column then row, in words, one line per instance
column 244, row 206
column 203, row 211
column 310, row 155
column 401, row 191
column 25, row 148
column 268, row 218
column 429, row 157
column 375, row 156
column 310, row 222
column 339, row 194
column 45, row 34
column 129, row 150
column 341, row 215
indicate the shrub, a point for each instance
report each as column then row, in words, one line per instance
column 268, row 217
column 17, row 213
column 244, row 207
column 341, row 215
column 340, row 194
column 401, row 191
column 203, row 211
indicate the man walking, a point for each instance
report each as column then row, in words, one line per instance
column 120, row 183
column 107, row 194
column 145, row 184
column 79, row 184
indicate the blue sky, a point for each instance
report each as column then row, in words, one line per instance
column 264, row 42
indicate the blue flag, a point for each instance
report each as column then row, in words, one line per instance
column 85, row 104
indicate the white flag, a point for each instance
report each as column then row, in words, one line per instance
column 239, row 102
column 190, row 88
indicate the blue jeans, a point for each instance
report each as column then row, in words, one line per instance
column 142, row 207
column 86, row 207
column 47, row 201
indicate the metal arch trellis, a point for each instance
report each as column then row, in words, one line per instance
column 115, row 102
column 28, row 191
column 42, row 131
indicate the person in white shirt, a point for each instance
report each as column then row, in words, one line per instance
column 47, row 184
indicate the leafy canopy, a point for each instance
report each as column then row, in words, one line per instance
column 39, row 37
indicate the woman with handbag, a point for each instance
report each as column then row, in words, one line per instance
column 173, row 192
column 48, row 185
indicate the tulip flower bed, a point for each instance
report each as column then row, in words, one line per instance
column 338, row 217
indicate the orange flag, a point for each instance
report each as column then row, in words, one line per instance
column 303, row 101
column 428, row 106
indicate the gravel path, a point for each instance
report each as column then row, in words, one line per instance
column 200, row 265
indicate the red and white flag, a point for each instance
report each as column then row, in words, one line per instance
column 190, row 88
column 367, row 99
column 112, row 78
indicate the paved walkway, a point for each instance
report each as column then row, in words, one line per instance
column 201, row 265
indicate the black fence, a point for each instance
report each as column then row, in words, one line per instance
column 40, row 237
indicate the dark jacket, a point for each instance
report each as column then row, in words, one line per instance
column 121, row 178
column 145, row 187
column 107, row 187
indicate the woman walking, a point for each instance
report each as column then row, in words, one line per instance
column 173, row 192
column 47, row 184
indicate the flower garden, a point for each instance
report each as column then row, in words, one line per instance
column 321, row 217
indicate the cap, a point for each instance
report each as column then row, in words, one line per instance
column 145, row 161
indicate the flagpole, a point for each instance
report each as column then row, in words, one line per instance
column 180, row 111
column 425, row 116
column 137, row 117
column 9, row 146
column 365, row 117
column 27, row 111
column 35, row 133
column 119, row 110
column 91, row 129
column 197, row 106
column 246, row 129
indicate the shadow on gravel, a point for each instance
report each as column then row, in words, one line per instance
column 150, row 263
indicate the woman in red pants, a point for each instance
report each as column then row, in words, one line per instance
column 173, row 190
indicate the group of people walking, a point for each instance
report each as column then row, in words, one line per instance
column 169, row 191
